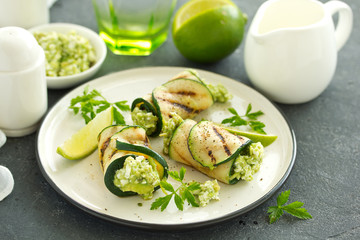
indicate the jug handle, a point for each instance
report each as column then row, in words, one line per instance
column 345, row 21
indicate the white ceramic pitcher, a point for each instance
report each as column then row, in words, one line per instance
column 291, row 47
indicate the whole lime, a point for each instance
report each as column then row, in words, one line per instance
column 208, row 30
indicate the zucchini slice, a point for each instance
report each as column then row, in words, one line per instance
column 146, row 105
column 178, row 147
column 130, row 134
column 161, row 164
column 129, row 141
column 185, row 94
column 104, row 140
column 186, row 97
column 211, row 145
column 115, row 165
column 180, row 151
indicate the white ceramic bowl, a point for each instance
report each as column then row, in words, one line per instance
column 95, row 40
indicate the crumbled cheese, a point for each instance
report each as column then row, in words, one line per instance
column 209, row 190
column 219, row 93
column 137, row 171
column 145, row 119
column 168, row 129
column 66, row 54
column 246, row 166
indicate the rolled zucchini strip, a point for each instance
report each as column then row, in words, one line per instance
column 130, row 167
column 215, row 152
column 186, row 95
column 145, row 114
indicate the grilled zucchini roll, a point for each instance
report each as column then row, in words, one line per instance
column 186, row 95
column 130, row 166
column 215, row 152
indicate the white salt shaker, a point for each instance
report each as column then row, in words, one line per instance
column 23, row 90
column 23, row 13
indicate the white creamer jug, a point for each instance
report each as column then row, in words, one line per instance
column 291, row 47
column 23, row 90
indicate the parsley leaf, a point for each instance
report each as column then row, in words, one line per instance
column 294, row 208
column 250, row 119
column 181, row 194
column 90, row 103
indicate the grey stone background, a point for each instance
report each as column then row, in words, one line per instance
column 325, row 175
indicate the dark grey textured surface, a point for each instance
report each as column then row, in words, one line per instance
column 325, row 176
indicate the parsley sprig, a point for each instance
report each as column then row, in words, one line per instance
column 181, row 194
column 294, row 208
column 90, row 103
column 250, row 119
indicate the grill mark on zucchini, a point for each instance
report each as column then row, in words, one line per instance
column 113, row 153
column 184, row 93
column 104, row 146
column 240, row 137
column 226, row 148
column 184, row 107
column 213, row 159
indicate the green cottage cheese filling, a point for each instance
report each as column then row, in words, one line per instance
column 209, row 190
column 145, row 119
column 245, row 166
column 66, row 54
column 168, row 129
column 219, row 93
column 137, row 175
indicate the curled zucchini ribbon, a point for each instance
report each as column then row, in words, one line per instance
column 186, row 95
column 118, row 144
column 214, row 151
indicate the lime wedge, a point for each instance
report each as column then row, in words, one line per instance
column 84, row 142
column 265, row 140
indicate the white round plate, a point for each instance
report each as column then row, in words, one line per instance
column 81, row 182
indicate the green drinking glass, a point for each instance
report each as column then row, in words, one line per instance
column 133, row 27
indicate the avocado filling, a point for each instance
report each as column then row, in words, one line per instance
column 137, row 175
column 145, row 119
column 219, row 93
column 168, row 129
column 245, row 166
column 208, row 191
